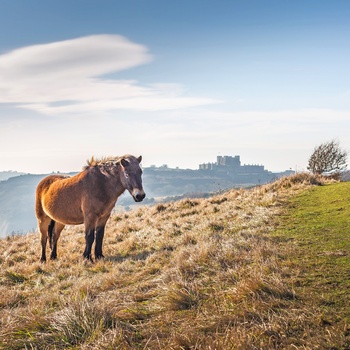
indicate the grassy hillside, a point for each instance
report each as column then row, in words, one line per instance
column 317, row 223
column 266, row 268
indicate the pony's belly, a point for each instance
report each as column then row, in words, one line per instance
column 64, row 215
column 70, row 222
column 69, row 217
column 67, row 220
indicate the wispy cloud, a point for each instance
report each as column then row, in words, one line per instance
column 71, row 77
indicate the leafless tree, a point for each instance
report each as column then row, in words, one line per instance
column 328, row 158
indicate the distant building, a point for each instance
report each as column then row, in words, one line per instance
column 226, row 172
column 224, row 162
column 232, row 164
column 232, row 168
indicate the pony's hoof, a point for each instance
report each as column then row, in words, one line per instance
column 88, row 258
column 99, row 257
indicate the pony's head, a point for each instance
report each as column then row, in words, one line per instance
column 131, row 176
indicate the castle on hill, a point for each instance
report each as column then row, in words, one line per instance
column 231, row 167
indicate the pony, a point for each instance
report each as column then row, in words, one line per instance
column 86, row 198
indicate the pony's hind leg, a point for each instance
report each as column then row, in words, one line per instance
column 55, row 230
column 43, row 228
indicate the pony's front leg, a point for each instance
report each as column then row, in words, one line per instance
column 89, row 240
column 100, row 231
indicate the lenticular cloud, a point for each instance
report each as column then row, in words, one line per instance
column 70, row 77
column 88, row 56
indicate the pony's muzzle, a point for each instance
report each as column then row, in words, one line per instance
column 139, row 196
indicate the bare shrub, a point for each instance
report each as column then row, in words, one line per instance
column 327, row 157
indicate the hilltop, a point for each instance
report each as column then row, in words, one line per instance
column 5, row 175
column 233, row 271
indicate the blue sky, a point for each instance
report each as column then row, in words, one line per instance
column 178, row 82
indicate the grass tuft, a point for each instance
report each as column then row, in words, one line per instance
column 82, row 321
column 12, row 277
column 183, row 297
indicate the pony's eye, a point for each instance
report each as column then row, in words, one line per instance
column 126, row 175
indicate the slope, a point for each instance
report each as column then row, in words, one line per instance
column 217, row 273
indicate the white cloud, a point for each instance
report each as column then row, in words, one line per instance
column 67, row 77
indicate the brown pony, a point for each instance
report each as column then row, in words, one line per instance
column 86, row 198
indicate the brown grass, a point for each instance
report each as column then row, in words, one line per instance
column 194, row 274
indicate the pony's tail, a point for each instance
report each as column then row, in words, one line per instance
column 50, row 231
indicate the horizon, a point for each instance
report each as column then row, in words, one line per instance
column 178, row 83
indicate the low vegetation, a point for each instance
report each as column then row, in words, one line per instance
column 265, row 268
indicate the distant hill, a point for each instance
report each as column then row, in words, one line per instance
column 17, row 204
column 4, row 175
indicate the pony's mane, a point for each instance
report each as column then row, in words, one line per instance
column 105, row 161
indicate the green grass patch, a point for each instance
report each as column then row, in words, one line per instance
column 317, row 223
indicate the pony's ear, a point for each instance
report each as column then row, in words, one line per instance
column 124, row 162
column 139, row 159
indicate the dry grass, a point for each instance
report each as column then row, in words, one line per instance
column 194, row 274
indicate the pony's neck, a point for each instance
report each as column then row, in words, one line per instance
column 113, row 176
